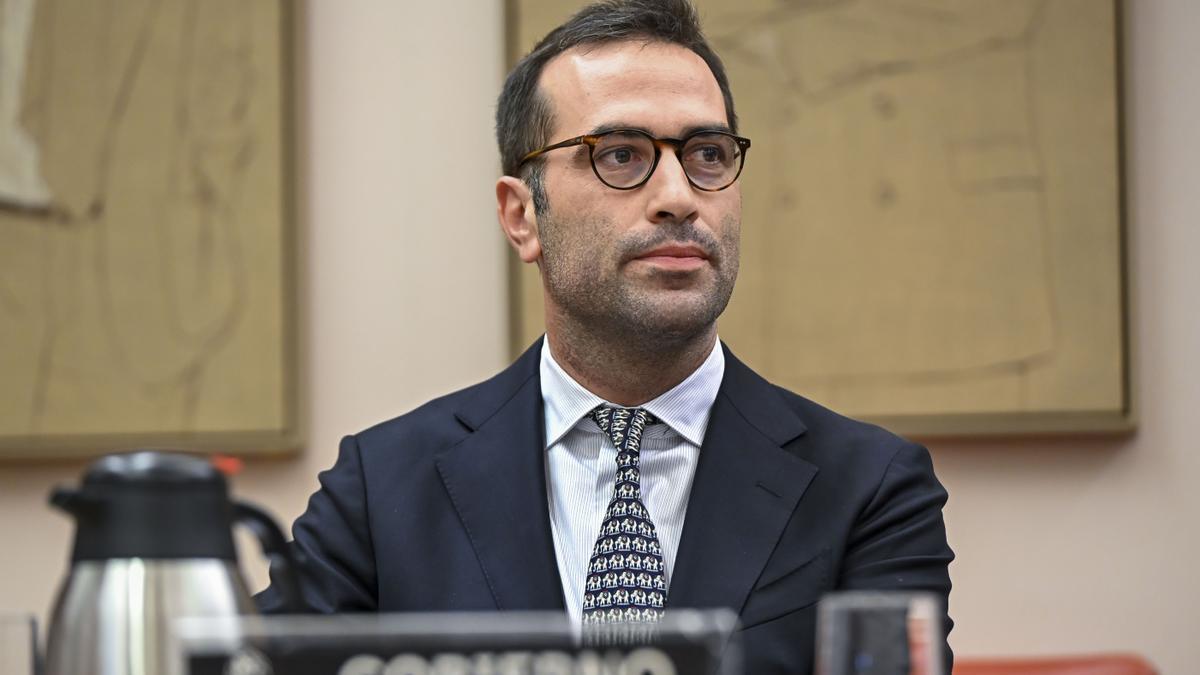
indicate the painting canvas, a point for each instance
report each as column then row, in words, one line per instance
column 932, row 221
column 146, row 292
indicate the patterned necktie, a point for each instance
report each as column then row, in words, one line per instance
column 626, row 580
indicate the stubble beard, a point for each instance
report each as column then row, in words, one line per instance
column 602, row 307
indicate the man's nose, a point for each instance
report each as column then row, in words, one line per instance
column 672, row 197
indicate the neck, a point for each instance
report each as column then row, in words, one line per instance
column 628, row 372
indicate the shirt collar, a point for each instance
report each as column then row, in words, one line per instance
column 685, row 408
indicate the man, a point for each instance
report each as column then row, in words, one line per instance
column 628, row 461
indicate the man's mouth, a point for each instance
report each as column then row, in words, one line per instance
column 675, row 256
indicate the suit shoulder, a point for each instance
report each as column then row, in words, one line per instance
column 833, row 432
column 430, row 426
column 448, row 419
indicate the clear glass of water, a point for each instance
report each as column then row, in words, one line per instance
column 879, row 633
column 18, row 644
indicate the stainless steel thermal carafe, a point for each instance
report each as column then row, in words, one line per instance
column 153, row 542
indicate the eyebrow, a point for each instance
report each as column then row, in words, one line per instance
column 687, row 131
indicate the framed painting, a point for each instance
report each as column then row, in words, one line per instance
column 147, row 282
column 932, row 227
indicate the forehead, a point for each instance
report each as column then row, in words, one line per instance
column 654, row 85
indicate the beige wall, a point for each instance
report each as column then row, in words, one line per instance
column 1065, row 545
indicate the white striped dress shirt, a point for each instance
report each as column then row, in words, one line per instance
column 581, row 465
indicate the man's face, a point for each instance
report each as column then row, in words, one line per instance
column 655, row 262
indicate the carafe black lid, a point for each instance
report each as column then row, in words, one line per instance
column 150, row 504
column 154, row 468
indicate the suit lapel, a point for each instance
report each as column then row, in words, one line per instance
column 496, row 478
column 744, row 492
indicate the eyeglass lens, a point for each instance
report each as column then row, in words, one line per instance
column 624, row 159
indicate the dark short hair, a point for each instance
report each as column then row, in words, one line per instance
column 525, row 118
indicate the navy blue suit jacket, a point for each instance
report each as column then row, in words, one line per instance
column 445, row 509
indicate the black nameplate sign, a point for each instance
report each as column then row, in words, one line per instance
column 364, row 648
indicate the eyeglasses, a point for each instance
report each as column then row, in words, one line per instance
column 625, row 159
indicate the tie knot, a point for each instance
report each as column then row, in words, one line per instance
column 623, row 425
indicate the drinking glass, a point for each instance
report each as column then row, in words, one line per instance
column 879, row 633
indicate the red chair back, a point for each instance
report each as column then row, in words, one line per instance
column 1095, row 664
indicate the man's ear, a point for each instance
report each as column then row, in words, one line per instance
column 518, row 218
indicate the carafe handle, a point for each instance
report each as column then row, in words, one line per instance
column 275, row 548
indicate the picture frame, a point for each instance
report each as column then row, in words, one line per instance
column 148, row 250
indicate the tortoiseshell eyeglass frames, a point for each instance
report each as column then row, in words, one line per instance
column 625, row 159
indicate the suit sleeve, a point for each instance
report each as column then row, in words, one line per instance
column 899, row 541
column 332, row 543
